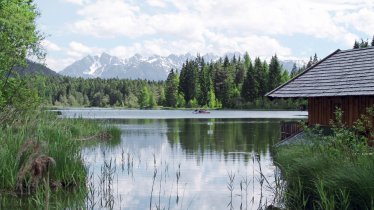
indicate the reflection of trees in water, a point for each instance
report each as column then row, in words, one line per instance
column 230, row 137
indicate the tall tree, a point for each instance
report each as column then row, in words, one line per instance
column 250, row 86
column 315, row 59
column 220, row 75
column 144, row 97
column 189, row 80
column 204, row 83
column 171, row 93
column 260, row 77
column 19, row 38
column 294, row 71
column 275, row 73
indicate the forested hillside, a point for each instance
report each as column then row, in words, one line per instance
column 235, row 83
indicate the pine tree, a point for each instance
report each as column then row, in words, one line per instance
column 220, row 76
column 171, row 93
column 260, row 77
column 144, row 97
column 247, row 60
column 205, row 84
column 275, row 73
column 364, row 44
column 189, row 81
column 315, row 59
column 372, row 42
column 250, row 86
column 356, row 45
column 310, row 62
column 239, row 74
column 294, row 71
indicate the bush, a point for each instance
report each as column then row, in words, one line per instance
column 335, row 172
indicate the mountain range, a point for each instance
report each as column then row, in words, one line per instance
column 138, row 67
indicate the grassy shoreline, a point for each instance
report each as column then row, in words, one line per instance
column 41, row 154
column 333, row 172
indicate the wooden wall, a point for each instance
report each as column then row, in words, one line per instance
column 321, row 109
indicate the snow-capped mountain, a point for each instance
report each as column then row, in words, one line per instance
column 138, row 67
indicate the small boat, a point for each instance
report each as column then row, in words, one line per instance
column 201, row 111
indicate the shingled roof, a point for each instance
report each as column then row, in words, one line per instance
column 342, row 73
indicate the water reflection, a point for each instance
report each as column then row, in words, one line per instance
column 184, row 164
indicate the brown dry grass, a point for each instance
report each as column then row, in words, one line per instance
column 34, row 167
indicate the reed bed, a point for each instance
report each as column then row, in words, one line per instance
column 40, row 157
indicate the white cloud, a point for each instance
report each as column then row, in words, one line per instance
column 362, row 20
column 156, row 3
column 261, row 46
column 104, row 18
column 214, row 26
column 79, row 50
column 79, row 2
column 57, row 64
column 50, row 46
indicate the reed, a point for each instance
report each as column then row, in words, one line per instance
column 40, row 156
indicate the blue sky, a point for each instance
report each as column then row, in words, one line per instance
column 294, row 29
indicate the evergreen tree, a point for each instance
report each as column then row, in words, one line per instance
column 239, row 74
column 204, row 83
column 212, row 101
column 171, row 94
column 315, row 59
column 310, row 62
column 294, row 71
column 183, row 79
column 250, row 86
column 285, row 76
column 220, row 75
column 356, row 45
column 247, row 61
column 364, row 44
column 189, row 81
column 275, row 73
column 260, row 77
column 144, row 97
column 372, row 42
column 228, row 92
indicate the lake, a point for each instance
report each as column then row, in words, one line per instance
column 172, row 159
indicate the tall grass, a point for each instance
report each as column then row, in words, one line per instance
column 29, row 139
column 335, row 172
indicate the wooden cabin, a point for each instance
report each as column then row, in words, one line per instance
column 343, row 79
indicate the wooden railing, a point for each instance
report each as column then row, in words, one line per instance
column 290, row 128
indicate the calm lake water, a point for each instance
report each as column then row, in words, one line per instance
column 179, row 160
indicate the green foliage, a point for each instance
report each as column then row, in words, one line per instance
column 171, row 89
column 362, row 43
column 144, row 98
column 215, row 84
column 250, row 85
column 19, row 39
column 180, row 101
column 275, row 73
column 333, row 172
column 192, row 103
column 59, row 139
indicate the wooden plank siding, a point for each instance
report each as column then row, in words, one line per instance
column 321, row 109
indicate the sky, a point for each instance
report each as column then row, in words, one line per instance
column 293, row 29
